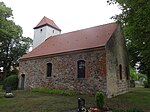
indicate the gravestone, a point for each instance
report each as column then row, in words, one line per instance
column 81, row 105
column 8, row 93
column 8, row 89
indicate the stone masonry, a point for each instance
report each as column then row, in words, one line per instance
column 116, row 54
column 64, row 72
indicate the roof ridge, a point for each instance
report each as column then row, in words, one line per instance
column 81, row 29
column 88, row 28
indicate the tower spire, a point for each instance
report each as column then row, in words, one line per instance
column 43, row 30
column 47, row 21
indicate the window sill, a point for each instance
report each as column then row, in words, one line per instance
column 48, row 77
column 81, row 78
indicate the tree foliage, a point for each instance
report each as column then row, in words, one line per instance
column 12, row 44
column 11, row 81
column 134, row 75
column 135, row 20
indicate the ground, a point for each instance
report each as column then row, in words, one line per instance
column 27, row 101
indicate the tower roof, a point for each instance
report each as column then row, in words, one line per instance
column 47, row 21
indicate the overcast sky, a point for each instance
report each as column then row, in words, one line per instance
column 69, row 15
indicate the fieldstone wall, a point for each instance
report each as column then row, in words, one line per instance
column 117, row 55
column 64, row 72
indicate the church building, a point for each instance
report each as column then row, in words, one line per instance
column 88, row 60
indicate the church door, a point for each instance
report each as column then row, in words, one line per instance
column 22, row 81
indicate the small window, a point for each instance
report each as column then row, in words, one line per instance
column 41, row 30
column 120, row 71
column 127, row 73
column 81, row 69
column 49, row 69
column 53, row 31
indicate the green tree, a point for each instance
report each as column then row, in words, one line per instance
column 133, row 74
column 12, row 44
column 135, row 21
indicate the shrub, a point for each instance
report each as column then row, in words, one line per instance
column 9, row 73
column 11, row 81
column 99, row 100
column 6, row 75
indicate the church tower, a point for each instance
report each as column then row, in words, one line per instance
column 44, row 30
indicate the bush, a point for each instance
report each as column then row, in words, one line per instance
column 11, row 81
column 99, row 100
column 7, row 74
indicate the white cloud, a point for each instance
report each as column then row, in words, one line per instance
column 69, row 15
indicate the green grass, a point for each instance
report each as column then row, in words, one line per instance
column 55, row 91
column 29, row 101
column 136, row 98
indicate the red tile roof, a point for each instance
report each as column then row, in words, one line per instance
column 47, row 21
column 73, row 41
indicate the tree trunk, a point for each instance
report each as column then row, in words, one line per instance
column 6, row 61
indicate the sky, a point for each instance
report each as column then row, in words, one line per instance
column 69, row 15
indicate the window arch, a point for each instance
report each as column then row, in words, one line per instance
column 120, row 71
column 49, row 69
column 81, row 69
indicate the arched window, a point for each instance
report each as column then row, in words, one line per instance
column 81, row 69
column 120, row 71
column 49, row 69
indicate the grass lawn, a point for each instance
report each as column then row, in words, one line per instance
column 27, row 101
column 136, row 98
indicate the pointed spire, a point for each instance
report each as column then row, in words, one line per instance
column 47, row 21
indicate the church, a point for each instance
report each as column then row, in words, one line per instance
column 88, row 60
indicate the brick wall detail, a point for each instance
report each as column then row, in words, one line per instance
column 103, row 66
